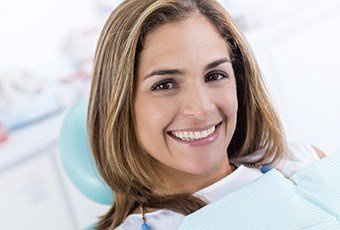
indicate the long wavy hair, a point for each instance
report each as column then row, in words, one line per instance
column 122, row 162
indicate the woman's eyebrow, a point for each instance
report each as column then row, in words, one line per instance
column 181, row 72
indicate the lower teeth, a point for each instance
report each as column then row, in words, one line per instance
column 187, row 139
column 191, row 139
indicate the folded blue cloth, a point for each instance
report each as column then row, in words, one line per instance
column 274, row 202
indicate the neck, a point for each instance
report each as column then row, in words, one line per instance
column 191, row 183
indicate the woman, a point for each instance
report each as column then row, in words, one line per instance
column 177, row 102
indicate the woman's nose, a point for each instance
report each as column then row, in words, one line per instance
column 198, row 103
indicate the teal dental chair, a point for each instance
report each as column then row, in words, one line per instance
column 77, row 159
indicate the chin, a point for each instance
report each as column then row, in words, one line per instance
column 203, row 167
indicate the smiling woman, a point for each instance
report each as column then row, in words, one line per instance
column 176, row 97
column 194, row 66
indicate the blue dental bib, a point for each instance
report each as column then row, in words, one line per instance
column 274, row 202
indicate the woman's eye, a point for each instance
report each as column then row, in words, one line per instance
column 216, row 76
column 164, row 85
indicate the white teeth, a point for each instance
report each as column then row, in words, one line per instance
column 198, row 135
column 186, row 135
column 194, row 135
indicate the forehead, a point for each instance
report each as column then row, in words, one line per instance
column 193, row 41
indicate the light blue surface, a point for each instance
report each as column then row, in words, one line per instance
column 273, row 202
column 76, row 156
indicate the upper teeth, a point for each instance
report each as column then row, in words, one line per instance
column 194, row 135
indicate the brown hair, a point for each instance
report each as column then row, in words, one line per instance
column 121, row 161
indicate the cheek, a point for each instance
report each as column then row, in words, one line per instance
column 152, row 117
column 228, row 105
column 227, row 102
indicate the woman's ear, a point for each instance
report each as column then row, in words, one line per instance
column 319, row 152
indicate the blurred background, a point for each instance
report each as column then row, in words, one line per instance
column 46, row 53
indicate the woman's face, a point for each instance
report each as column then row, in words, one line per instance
column 186, row 103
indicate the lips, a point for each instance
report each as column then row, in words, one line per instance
column 200, row 142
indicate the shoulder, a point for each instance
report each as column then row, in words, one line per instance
column 296, row 151
column 319, row 152
column 161, row 219
column 302, row 152
column 298, row 156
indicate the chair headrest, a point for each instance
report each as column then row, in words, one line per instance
column 77, row 158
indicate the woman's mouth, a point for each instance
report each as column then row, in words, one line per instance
column 197, row 138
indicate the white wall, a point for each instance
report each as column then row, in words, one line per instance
column 299, row 57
